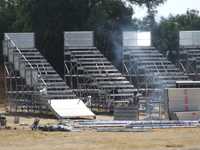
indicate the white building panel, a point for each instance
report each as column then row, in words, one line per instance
column 183, row 99
column 129, row 39
column 189, row 38
column 22, row 40
column 132, row 38
column 144, row 39
column 79, row 39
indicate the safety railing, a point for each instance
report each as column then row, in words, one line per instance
column 24, row 58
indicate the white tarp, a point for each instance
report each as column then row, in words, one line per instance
column 70, row 108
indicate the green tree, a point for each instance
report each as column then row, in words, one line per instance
column 166, row 33
column 7, row 17
column 49, row 18
column 151, row 6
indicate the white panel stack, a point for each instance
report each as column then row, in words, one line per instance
column 132, row 38
column 79, row 39
column 183, row 99
column 192, row 115
column 189, row 38
column 23, row 40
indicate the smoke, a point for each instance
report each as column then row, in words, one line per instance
column 151, row 80
column 117, row 49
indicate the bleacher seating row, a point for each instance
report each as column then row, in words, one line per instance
column 104, row 76
column 148, row 61
column 34, row 85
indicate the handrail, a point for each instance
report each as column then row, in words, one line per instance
column 156, row 67
column 7, row 72
column 126, row 69
column 164, row 66
column 88, row 76
column 13, row 43
column 66, row 67
column 44, row 69
column 40, row 76
column 182, row 66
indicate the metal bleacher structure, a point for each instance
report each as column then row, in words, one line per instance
column 189, row 44
column 2, row 85
column 91, row 75
column 32, row 84
column 148, row 69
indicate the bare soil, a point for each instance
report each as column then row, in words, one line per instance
column 20, row 137
column 173, row 139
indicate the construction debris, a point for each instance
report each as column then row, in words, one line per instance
column 126, row 110
column 136, row 126
column 163, row 124
column 66, row 126
column 122, row 130
column 55, row 128
column 2, row 121
column 35, row 124
column 58, row 127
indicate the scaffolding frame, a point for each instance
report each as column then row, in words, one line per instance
column 151, row 105
column 84, row 85
column 23, row 83
column 189, row 51
column 189, row 63
column 89, row 73
column 147, row 102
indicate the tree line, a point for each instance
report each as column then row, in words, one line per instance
column 49, row 18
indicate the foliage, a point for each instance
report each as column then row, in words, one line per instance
column 166, row 33
column 49, row 18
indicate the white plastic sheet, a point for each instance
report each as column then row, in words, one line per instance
column 70, row 108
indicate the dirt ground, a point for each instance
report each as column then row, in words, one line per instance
column 20, row 137
column 173, row 139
